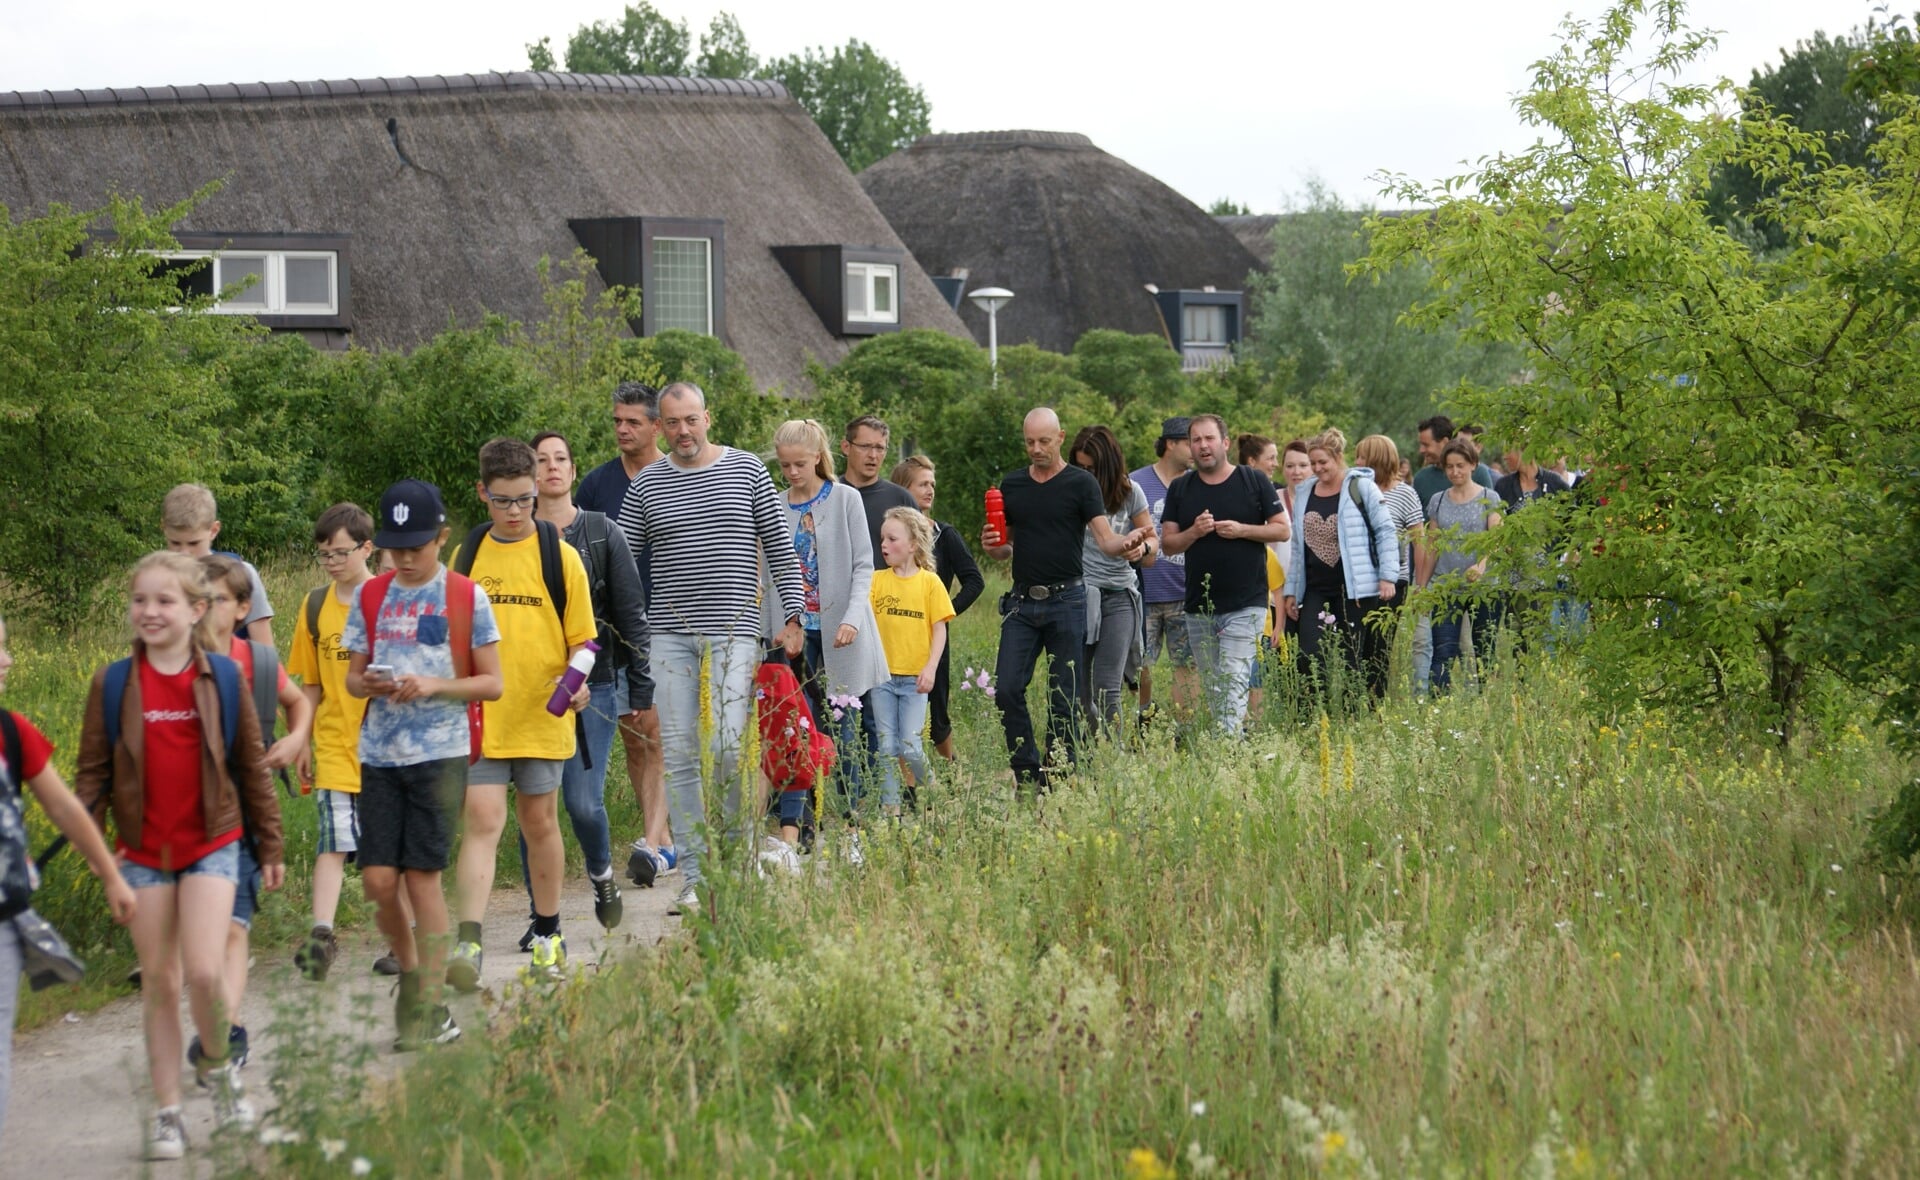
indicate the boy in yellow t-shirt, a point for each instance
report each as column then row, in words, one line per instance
column 521, row 742
column 343, row 541
column 911, row 610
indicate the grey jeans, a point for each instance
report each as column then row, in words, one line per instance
column 675, row 663
column 1224, row 648
column 1102, row 690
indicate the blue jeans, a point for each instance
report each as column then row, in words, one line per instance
column 1225, row 646
column 1484, row 615
column 583, row 791
column 675, row 663
column 1056, row 626
column 899, row 713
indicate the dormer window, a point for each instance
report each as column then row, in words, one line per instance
column 855, row 290
column 1204, row 325
column 678, row 264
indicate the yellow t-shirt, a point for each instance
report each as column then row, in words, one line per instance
column 533, row 648
column 907, row 609
column 1276, row 578
column 336, row 723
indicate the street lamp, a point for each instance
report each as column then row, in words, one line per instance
column 991, row 300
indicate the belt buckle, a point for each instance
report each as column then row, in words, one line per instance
column 1039, row 593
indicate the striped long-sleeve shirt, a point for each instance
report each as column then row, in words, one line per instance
column 706, row 531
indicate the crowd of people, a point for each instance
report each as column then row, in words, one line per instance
column 433, row 681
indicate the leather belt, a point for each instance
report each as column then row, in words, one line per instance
column 1042, row 593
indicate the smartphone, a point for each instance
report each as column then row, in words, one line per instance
column 380, row 671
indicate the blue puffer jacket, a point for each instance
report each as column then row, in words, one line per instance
column 1361, row 510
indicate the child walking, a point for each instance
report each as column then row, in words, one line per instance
column 229, row 593
column 177, row 759
column 423, row 645
column 911, row 604
column 36, row 771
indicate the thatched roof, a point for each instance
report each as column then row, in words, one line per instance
column 1073, row 232
column 494, row 167
column 1255, row 232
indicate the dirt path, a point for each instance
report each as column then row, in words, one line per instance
column 80, row 1096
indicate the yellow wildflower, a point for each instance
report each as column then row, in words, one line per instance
column 1332, row 1144
column 1144, row 1164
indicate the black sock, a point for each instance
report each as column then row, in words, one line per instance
column 546, row 925
column 470, row 932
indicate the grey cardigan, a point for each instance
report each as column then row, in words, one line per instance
column 846, row 583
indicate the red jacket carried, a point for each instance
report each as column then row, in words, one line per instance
column 793, row 753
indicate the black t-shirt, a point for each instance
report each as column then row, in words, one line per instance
column 1224, row 575
column 1320, row 533
column 876, row 498
column 1048, row 521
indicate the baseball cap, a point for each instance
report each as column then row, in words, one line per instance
column 1175, row 428
column 411, row 515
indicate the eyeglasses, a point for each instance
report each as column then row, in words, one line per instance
column 525, row 501
column 329, row 556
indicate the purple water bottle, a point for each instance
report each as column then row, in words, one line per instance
column 576, row 675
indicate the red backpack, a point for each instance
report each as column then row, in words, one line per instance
column 793, row 752
column 460, row 600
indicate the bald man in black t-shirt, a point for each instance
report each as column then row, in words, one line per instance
column 1049, row 507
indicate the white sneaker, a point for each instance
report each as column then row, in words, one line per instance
column 167, row 1138
column 231, row 1110
column 688, row 902
column 778, row 856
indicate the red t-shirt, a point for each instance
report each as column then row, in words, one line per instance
column 175, row 831
column 242, row 654
column 35, row 749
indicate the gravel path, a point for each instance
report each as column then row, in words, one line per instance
column 80, row 1095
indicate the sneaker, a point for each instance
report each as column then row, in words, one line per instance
column 549, row 958
column 463, row 967
column 167, row 1137
column 237, row 1050
column 668, row 858
column 688, row 901
column 607, row 908
column 317, row 955
column 429, row 1028
column 777, row 856
column 643, row 864
column 231, row 1110
column 387, row 964
column 526, row 940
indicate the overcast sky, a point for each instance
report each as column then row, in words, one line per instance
column 1244, row 99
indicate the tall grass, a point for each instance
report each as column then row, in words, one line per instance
column 1482, row 936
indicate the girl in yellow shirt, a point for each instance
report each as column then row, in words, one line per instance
column 912, row 609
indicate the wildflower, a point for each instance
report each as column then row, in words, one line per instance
column 362, row 1166
column 989, row 691
column 1835, row 868
column 984, row 681
column 1199, row 1109
column 1326, row 618
column 1332, row 1144
column 1144, row 1164
column 331, row 1149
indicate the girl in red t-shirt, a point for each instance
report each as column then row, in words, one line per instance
column 182, row 860
column 36, row 771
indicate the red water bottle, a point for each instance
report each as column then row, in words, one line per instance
column 997, row 517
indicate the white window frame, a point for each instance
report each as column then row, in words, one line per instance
column 1214, row 311
column 273, row 279
column 706, row 245
column 863, row 274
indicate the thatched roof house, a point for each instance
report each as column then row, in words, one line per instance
column 1076, row 234
column 373, row 210
column 1255, row 232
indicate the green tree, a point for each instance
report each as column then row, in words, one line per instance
column 642, row 42
column 862, row 102
column 724, row 51
column 1352, row 355
column 1730, row 399
column 109, row 391
column 1810, row 85
column 1228, row 207
column 1126, row 367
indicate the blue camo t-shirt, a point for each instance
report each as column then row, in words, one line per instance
column 411, row 635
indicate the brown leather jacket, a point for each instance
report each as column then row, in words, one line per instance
column 123, row 766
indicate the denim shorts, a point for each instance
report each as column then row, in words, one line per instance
column 529, row 776
column 223, row 863
column 246, row 891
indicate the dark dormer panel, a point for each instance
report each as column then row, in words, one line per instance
column 1204, row 326
column 855, row 290
column 677, row 264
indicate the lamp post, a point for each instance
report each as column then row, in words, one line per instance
column 991, row 300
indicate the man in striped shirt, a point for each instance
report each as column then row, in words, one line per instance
column 708, row 517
